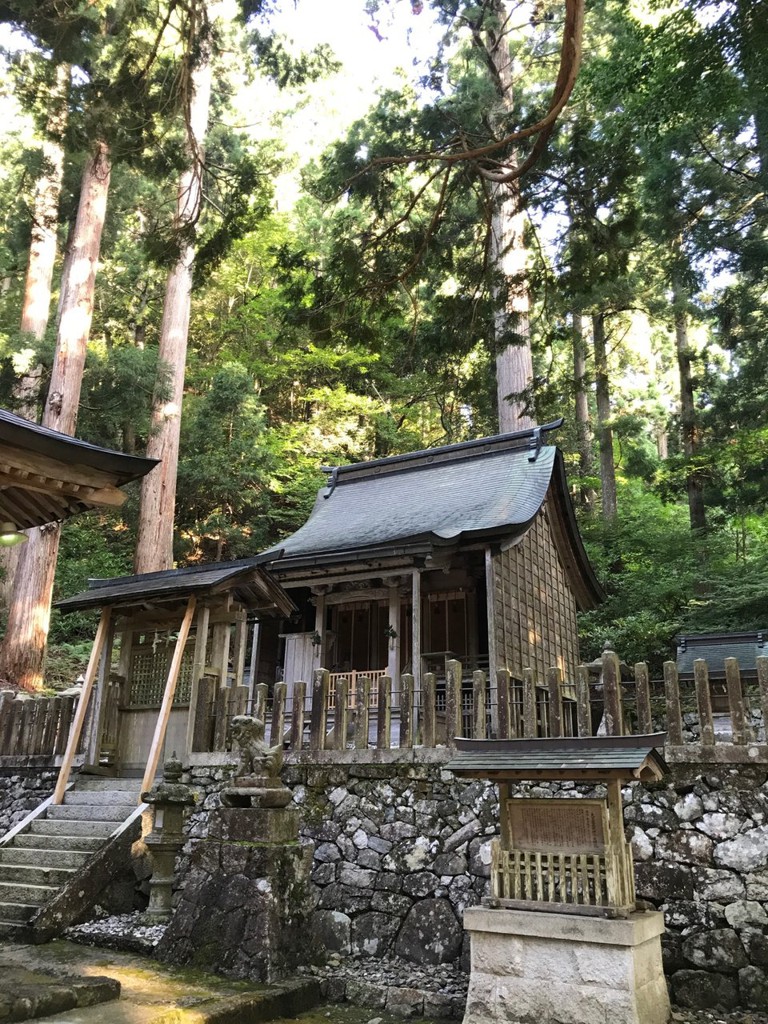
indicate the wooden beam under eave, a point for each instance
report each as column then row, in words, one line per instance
column 111, row 497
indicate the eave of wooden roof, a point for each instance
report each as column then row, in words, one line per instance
column 47, row 476
column 588, row 758
column 247, row 579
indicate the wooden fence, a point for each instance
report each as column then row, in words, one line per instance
column 704, row 721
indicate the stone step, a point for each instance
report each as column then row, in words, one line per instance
column 50, row 843
column 25, row 874
column 89, row 812
column 100, row 797
column 103, row 783
column 17, row 913
column 37, row 856
column 46, row 827
column 12, row 892
column 15, row 931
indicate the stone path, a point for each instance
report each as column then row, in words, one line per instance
column 150, row 992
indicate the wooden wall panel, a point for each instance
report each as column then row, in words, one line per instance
column 535, row 611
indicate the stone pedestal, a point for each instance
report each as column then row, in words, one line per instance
column 243, row 909
column 531, row 967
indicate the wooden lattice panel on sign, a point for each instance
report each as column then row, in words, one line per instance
column 562, row 854
column 150, row 662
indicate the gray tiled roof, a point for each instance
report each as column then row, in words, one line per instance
column 474, row 491
column 714, row 648
column 246, row 574
column 624, row 755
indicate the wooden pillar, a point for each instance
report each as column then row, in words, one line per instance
column 254, row 665
column 198, row 670
column 320, row 653
column 82, row 707
column 493, row 662
column 241, row 639
column 416, row 646
column 170, row 690
column 393, row 643
column 99, row 701
column 220, row 651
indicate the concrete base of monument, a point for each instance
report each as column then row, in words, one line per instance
column 530, row 967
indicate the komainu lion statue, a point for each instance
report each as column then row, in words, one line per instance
column 256, row 758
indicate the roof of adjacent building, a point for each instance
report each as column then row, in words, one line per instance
column 246, row 579
column 46, row 476
column 489, row 490
column 714, row 648
column 586, row 758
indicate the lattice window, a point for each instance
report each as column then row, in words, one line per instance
column 151, row 657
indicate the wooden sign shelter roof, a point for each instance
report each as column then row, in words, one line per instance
column 581, row 759
column 46, row 476
column 245, row 580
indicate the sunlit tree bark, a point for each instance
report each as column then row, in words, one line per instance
column 22, row 651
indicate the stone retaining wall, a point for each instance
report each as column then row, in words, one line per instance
column 402, row 849
column 21, row 790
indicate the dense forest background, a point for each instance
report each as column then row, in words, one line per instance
column 347, row 291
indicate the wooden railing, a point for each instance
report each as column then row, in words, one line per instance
column 352, row 678
column 39, row 726
column 723, row 723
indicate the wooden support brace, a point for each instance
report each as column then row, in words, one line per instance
column 170, row 690
column 82, row 707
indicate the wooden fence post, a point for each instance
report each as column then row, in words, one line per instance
column 202, row 734
column 478, row 697
column 643, row 697
column 65, row 721
column 762, row 682
column 318, row 712
column 736, row 701
column 611, row 675
column 362, row 712
column 704, row 701
column 453, row 722
column 583, row 705
column 340, row 714
column 529, row 704
column 406, row 710
column 672, row 696
column 503, row 697
column 297, row 714
column 554, row 686
column 260, row 694
column 428, row 710
column 277, row 730
column 384, row 714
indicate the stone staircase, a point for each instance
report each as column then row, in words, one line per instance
column 37, row 863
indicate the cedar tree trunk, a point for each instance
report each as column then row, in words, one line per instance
column 154, row 548
column 688, row 421
column 604, row 431
column 508, row 258
column 22, row 651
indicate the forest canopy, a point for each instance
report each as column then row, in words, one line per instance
column 358, row 288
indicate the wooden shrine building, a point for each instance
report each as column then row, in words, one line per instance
column 175, row 627
column 480, row 538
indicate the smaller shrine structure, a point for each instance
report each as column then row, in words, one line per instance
column 557, row 863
